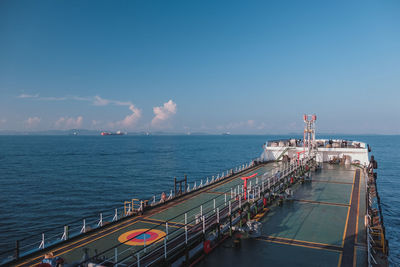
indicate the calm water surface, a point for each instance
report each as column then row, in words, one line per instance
column 46, row 181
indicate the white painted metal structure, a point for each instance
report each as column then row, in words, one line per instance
column 350, row 152
column 356, row 151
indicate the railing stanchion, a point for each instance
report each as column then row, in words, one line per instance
column 65, row 235
column 116, row 256
column 83, row 230
column 240, row 201
column 115, row 218
column 217, row 215
column 186, row 234
column 41, row 246
column 16, row 250
column 138, row 259
column 214, row 205
column 225, row 198
column 230, row 208
column 204, row 224
column 101, row 220
column 165, row 248
column 144, row 242
column 166, row 230
column 201, row 211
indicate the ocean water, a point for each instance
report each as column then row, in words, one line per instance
column 47, row 181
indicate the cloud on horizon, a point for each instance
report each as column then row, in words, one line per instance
column 95, row 100
column 66, row 123
column 130, row 121
column 28, row 96
column 32, row 122
column 163, row 113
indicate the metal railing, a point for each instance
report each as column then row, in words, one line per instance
column 56, row 235
column 196, row 221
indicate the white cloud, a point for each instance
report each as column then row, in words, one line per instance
column 163, row 113
column 99, row 101
column 28, row 96
column 53, row 98
column 32, row 122
column 95, row 100
column 130, row 120
column 66, row 123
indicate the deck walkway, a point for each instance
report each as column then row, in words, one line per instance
column 324, row 226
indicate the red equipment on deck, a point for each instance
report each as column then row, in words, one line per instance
column 245, row 183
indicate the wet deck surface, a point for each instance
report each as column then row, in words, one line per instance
column 324, row 226
column 73, row 251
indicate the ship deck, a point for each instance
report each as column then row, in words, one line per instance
column 72, row 251
column 323, row 226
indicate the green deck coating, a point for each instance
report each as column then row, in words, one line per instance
column 298, row 224
column 188, row 205
column 324, row 192
column 306, row 221
column 303, row 228
column 262, row 253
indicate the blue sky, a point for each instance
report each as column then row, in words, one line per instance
column 209, row 66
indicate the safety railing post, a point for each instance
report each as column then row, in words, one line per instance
column 166, row 230
column 165, row 248
column 116, row 256
column 214, row 205
column 16, row 255
column 217, row 215
column 65, row 235
column 186, row 233
column 83, row 230
column 240, row 201
column 204, row 224
column 115, row 218
column 41, row 246
column 230, row 208
column 231, row 193
column 101, row 220
column 225, row 199
column 138, row 259
column 144, row 243
column 201, row 211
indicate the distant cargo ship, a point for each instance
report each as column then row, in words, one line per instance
column 110, row 133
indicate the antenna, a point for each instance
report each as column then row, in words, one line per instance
column 309, row 132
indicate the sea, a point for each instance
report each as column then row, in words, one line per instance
column 47, row 182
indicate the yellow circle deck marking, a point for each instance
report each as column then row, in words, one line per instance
column 139, row 237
